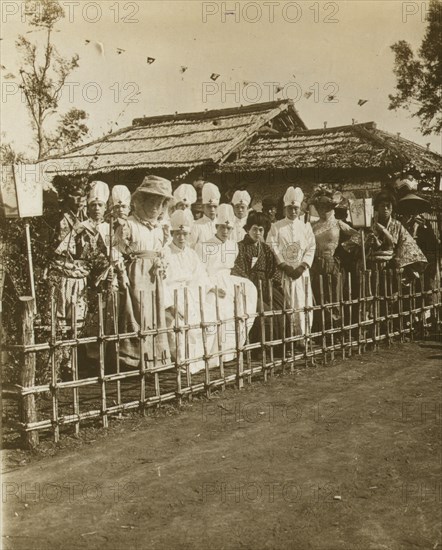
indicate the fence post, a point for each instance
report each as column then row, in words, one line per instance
column 27, row 377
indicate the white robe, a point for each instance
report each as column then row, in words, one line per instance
column 293, row 243
column 218, row 259
column 185, row 271
column 202, row 231
column 239, row 232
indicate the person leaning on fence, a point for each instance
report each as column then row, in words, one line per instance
column 218, row 256
column 141, row 241
column 186, row 274
column 388, row 244
column 294, row 245
column 257, row 262
column 331, row 236
column 240, row 201
column 205, row 228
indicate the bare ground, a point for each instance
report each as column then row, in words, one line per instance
column 340, row 457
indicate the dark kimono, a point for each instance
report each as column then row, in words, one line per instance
column 258, row 263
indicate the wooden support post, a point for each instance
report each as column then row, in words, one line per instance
column 115, row 309
column 246, row 328
column 219, row 338
column 323, row 319
column 330, row 306
column 342, row 312
column 54, row 385
column 186, row 357
column 178, row 346
column 205, row 346
column 272, row 351
column 30, row 439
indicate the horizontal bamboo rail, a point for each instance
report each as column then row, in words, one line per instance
column 351, row 314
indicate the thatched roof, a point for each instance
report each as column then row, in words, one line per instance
column 177, row 141
column 354, row 146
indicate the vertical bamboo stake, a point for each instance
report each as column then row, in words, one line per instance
column 359, row 302
column 271, row 335
column 239, row 356
column 74, row 363
column 178, row 337
column 154, row 347
column 411, row 301
column 400, row 304
column 306, row 321
column 290, row 319
column 115, row 308
column 364, row 311
column 369, row 303
column 342, row 312
column 392, row 299
column 101, row 360
column 323, row 319
column 219, row 338
column 205, row 347
column 350, row 316
column 54, row 387
column 186, row 338
column 284, row 331
column 330, row 299
column 142, row 343
column 387, row 309
column 364, row 259
column 376, row 307
column 248, row 358
column 27, row 375
column 423, row 312
column 263, row 330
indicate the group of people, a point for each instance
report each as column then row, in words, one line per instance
column 170, row 269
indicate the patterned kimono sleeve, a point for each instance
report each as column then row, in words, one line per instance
column 310, row 248
column 240, row 268
column 407, row 252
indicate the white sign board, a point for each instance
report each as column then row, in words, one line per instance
column 21, row 190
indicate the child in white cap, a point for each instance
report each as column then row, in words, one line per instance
column 294, row 245
column 120, row 202
column 218, row 255
column 185, row 196
column 186, row 274
column 240, row 201
column 205, row 228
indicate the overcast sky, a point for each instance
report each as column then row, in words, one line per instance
column 334, row 49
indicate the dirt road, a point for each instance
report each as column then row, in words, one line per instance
column 341, row 457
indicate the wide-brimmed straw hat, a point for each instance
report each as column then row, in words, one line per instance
column 154, row 185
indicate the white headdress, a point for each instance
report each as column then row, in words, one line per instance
column 185, row 193
column 241, row 197
column 99, row 192
column 293, row 196
column 210, row 194
column 225, row 215
column 120, row 195
column 181, row 220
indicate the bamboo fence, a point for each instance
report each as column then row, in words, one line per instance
column 362, row 311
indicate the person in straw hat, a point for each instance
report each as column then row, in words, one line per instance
column 141, row 241
column 240, row 201
column 205, row 228
column 293, row 243
column 185, row 275
column 218, row 255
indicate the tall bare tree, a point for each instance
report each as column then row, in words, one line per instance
column 43, row 73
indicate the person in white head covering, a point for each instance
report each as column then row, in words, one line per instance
column 120, row 202
column 293, row 243
column 218, row 255
column 185, row 196
column 185, row 275
column 205, row 228
column 141, row 240
column 241, row 201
